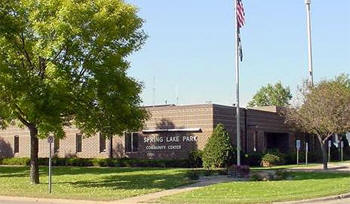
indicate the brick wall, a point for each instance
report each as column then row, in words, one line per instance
column 205, row 117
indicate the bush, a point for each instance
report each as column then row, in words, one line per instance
column 270, row 159
column 192, row 175
column 218, row 151
column 15, row 161
column 103, row 162
column 195, row 159
column 253, row 159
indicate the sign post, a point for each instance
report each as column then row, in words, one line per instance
column 329, row 150
column 298, row 148
column 50, row 140
column 341, row 150
column 306, row 152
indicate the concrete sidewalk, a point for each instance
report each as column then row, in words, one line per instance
column 332, row 167
column 204, row 181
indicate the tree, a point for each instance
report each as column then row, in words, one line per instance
column 64, row 63
column 271, row 95
column 325, row 111
column 217, row 152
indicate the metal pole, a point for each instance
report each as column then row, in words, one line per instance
column 308, row 21
column 237, row 91
column 50, row 176
column 329, row 151
column 342, row 151
column 306, row 152
column 298, row 157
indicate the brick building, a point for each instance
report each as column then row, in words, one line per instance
column 170, row 133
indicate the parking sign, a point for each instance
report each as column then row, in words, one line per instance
column 298, row 145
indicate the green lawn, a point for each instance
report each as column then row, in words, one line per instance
column 304, row 185
column 90, row 183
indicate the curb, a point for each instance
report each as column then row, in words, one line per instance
column 315, row 200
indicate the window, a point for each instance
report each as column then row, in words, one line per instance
column 102, row 139
column 135, row 142
column 255, row 140
column 16, row 144
column 56, row 145
column 78, row 142
column 131, row 142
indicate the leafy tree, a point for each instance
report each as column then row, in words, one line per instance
column 217, row 152
column 325, row 111
column 271, row 95
column 64, row 63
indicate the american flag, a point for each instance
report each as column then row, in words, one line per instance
column 240, row 16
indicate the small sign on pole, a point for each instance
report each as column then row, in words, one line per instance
column 298, row 148
column 50, row 140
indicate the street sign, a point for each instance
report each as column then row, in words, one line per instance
column 298, row 144
column 307, row 147
column 50, row 139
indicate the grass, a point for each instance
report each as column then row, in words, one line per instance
column 303, row 186
column 90, row 183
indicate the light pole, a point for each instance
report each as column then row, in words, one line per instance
column 308, row 21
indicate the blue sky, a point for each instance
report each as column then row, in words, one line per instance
column 191, row 47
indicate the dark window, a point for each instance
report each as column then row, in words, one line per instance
column 131, row 142
column 102, row 143
column 16, row 146
column 56, row 145
column 135, row 142
column 127, row 142
column 79, row 141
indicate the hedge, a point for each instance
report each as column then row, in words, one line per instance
column 123, row 162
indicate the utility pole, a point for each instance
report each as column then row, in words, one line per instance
column 308, row 21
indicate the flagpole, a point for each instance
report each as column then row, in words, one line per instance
column 308, row 20
column 237, row 90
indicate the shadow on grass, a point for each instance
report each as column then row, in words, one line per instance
column 110, row 178
column 7, row 171
column 14, row 171
column 138, row 181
